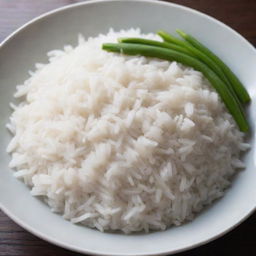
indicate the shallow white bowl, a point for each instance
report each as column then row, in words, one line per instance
column 29, row 44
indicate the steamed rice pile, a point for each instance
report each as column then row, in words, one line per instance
column 122, row 143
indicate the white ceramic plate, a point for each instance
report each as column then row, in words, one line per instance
column 29, row 44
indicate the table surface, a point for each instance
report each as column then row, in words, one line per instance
column 238, row 14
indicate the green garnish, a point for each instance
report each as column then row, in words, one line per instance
column 174, row 49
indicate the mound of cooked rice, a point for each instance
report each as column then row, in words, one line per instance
column 122, row 143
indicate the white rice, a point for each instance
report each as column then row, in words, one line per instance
column 124, row 143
